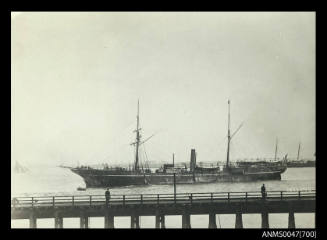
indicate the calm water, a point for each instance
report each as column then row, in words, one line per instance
column 45, row 180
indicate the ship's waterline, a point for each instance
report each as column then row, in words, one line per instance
column 128, row 180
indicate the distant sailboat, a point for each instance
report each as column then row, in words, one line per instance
column 300, row 162
column 20, row 168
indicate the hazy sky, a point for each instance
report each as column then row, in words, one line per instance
column 76, row 79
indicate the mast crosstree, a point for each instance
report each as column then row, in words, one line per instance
column 276, row 148
column 138, row 141
column 298, row 152
column 228, row 136
column 138, row 138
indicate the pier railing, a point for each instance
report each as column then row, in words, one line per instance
column 188, row 198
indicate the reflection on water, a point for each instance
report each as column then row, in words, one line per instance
column 44, row 180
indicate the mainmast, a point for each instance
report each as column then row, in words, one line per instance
column 298, row 152
column 276, row 149
column 228, row 136
column 138, row 137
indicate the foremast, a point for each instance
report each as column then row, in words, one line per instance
column 228, row 136
column 138, row 138
column 276, row 149
column 298, row 152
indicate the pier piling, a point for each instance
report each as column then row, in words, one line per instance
column 132, row 221
column 58, row 220
column 84, row 221
column 264, row 219
column 157, row 221
column 162, row 221
column 32, row 220
column 291, row 220
column 135, row 221
column 186, row 220
column 238, row 220
column 109, row 221
column 212, row 220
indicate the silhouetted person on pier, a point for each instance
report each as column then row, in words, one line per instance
column 263, row 191
column 107, row 194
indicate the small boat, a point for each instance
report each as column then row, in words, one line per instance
column 81, row 189
column 20, row 168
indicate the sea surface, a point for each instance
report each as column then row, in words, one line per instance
column 50, row 180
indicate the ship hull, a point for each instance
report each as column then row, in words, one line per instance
column 119, row 180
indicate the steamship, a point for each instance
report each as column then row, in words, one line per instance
column 229, row 172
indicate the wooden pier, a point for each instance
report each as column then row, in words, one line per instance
column 161, row 205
